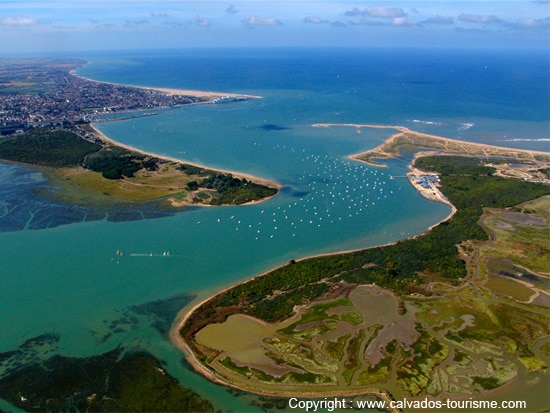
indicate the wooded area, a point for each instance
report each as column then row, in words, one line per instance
column 55, row 148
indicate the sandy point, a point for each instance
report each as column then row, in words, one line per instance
column 199, row 93
column 261, row 181
column 177, row 339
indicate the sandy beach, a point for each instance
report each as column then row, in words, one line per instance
column 211, row 95
column 481, row 149
column 205, row 97
column 198, row 93
column 523, row 164
column 432, row 193
column 184, row 92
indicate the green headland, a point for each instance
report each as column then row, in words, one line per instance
column 85, row 162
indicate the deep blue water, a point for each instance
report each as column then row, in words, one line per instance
column 394, row 84
column 68, row 279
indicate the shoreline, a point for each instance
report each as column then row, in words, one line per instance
column 170, row 91
column 183, row 92
column 261, row 181
column 197, row 93
column 200, row 368
column 203, row 370
column 403, row 129
column 186, row 314
column 211, row 97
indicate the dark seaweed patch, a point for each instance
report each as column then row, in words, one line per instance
column 41, row 340
column 272, row 127
column 159, row 314
column 164, row 311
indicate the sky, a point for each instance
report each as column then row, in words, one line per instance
column 38, row 26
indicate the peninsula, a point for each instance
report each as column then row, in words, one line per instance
column 458, row 312
column 48, row 120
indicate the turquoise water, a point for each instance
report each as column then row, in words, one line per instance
column 70, row 281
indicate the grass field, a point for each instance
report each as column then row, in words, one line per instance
column 146, row 185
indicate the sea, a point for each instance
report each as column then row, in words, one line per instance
column 103, row 279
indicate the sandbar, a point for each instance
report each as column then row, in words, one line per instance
column 198, row 93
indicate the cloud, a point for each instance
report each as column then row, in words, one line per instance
column 403, row 22
column 201, row 21
column 339, row 24
column 439, row 20
column 18, row 21
column 532, row 24
column 160, row 15
column 104, row 26
column 354, row 12
column 474, row 30
column 364, row 22
column 314, row 20
column 231, row 9
column 135, row 24
column 384, row 12
column 262, row 21
column 476, row 18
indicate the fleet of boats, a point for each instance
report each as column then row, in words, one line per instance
column 133, row 254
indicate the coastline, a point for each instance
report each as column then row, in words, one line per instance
column 482, row 148
column 200, row 368
column 203, row 370
column 155, row 186
column 436, row 196
column 210, row 95
column 239, row 175
column 198, row 93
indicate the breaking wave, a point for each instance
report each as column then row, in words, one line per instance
column 527, row 140
column 465, row 126
column 426, row 122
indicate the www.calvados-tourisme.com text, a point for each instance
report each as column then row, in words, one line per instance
column 331, row 404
